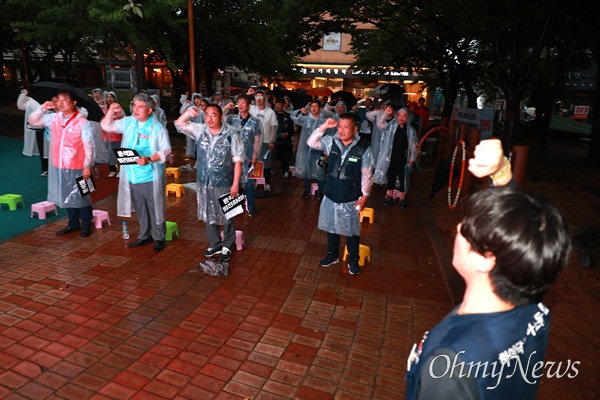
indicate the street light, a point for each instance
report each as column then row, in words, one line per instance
column 191, row 40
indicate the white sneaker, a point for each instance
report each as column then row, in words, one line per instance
column 267, row 188
column 286, row 175
column 116, row 176
column 45, row 173
column 112, row 174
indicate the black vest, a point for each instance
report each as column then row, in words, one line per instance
column 343, row 180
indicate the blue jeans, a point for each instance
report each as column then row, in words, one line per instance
column 250, row 195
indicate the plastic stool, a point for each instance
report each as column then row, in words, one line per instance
column 12, row 200
column 260, row 181
column 291, row 169
column 314, row 187
column 176, row 188
column 367, row 213
column 100, row 216
column 42, row 208
column 239, row 239
column 396, row 194
column 171, row 228
column 364, row 253
column 173, row 171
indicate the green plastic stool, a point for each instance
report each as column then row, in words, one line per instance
column 171, row 228
column 12, row 200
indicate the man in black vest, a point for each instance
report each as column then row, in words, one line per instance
column 347, row 186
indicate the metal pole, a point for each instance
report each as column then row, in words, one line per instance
column 191, row 40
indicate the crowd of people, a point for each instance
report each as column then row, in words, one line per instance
column 509, row 247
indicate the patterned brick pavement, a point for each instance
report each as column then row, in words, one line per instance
column 92, row 319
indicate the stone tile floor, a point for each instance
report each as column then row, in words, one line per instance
column 91, row 319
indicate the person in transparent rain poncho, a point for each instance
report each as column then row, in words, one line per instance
column 376, row 133
column 220, row 154
column 307, row 159
column 71, row 156
column 112, row 140
column 35, row 141
column 250, row 131
column 199, row 105
column 142, row 184
column 397, row 155
column 347, row 186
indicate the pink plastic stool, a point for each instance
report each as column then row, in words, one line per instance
column 100, row 216
column 396, row 194
column 42, row 208
column 260, row 181
column 314, row 187
column 239, row 239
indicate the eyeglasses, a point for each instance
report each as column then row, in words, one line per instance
column 259, row 96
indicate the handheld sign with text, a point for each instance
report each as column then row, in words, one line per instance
column 85, row 186
column 256, row 171
column 126, row 156
column 232, row 206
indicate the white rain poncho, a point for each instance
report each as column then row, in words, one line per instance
column 111, row 140
column 30, row 147
column 159, row 143
column 251, row 134
column 216, row 156
column 385, row 154
column 190, row 143
column 71, row 149
column 159, row 113
column 376, row 133
column 342, row 218
column 307, row 159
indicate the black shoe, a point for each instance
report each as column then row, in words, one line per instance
column 225, row 254
column 320, row 196
column 141, row 242
column 158, row 245
column 86, row 232
column 330, row 259
column 211, row 251
column 305, row 195
column 66, row 230
column 403, row 204
column 388, row 201
column 353, row 268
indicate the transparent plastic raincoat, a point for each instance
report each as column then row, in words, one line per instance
column 30, row 147
column 71, row 149
column 376, row 133
column 251, row 135
column 342, row 218
column 385, row 154
column 159, row 143
column 190, row 143
column 306, row 158
column 110, row 140
column 216, row 156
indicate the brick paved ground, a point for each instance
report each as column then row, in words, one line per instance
column 90, row 318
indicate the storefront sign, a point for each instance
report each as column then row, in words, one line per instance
column 332, row 42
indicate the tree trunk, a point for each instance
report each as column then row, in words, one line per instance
column 512, row 119
column 140, row 68
column 3, row 91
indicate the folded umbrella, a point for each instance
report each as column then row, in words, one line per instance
column 319, row 91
